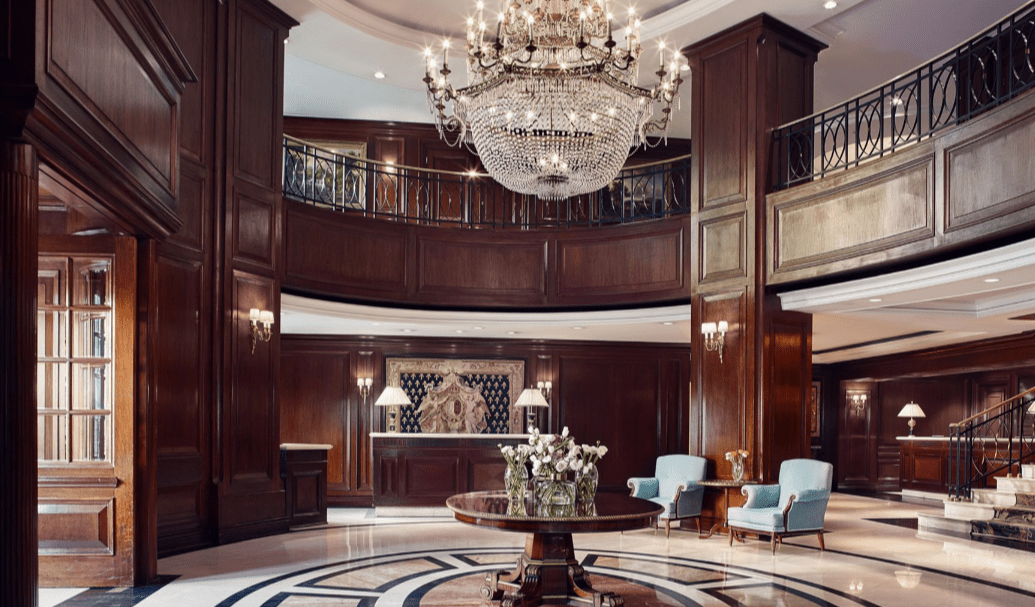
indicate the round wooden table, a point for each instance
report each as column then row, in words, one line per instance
column 547, row 573
column 726, row 485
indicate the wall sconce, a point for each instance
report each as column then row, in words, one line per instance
column 858, row 402
column 911, row 410
column 364, row 383
column 392, row 397
column 257, row 317
column 545, row 387
column 715, row 336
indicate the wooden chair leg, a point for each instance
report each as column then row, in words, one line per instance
column 773, row 542
column 697, row 519
column 731, row 536
column 819, row 534
column 668, row 528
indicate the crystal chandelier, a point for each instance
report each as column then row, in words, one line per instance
column 552, row 106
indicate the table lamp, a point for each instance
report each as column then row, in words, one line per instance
column 392, row 396
column 911, row 410
column 531, row 398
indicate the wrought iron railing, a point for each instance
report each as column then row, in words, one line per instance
column 994, row 441
column 986, row 71
column 447, row 198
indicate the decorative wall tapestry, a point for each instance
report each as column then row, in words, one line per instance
column 458, row 396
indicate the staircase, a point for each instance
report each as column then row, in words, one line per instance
column 1004, row 516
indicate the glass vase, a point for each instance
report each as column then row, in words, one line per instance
column 516, row 481
column 738, row 470
column 554, row 492
column 586, row 485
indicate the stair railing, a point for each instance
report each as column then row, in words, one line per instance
column 983, row 445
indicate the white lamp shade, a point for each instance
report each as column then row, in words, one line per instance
column 531, row 397
column 393, row 395
column 911, row 410
column 1031, row 409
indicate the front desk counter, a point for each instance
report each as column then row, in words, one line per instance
column 425, row 469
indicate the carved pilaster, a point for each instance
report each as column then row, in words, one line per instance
column 19, row 183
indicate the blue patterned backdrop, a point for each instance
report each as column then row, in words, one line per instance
column 495, row 389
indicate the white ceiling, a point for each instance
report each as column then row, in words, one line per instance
column 333, row 54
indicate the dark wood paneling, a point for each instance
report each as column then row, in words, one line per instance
column 350, row 257
column 315, row 411
column 722, row 395
column 725, row 131
column 447, row 267
column 257, row 92
column 788, row 356
column 305, row 482
column 194, row 206
column 328, row 253
column 615, row 263
column 76, row 527
column 255, row 215
column 618, row 404
column 857, row 453
column 600, row 390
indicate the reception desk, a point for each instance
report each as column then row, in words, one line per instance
column 924, row 463
column 425, row 469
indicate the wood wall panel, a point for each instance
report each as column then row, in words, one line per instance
column 616, row 263
column 788, row 357
column 258, row 90
column 328, row 254
column 179, row 357
column 92, row 61
column 991, row 176
column 254, row 228
column 630, row 396
column 447, row 267
column 195, row 188
column 78, row 526
column 317, row 412
column 723, row 248
column 722, row 394
column 253, row 428
column 892, row 209
column 351, row 257
column 724, row 136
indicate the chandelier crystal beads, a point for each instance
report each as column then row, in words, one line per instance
column 552, row 106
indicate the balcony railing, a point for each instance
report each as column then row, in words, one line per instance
column 445, row 198
column 984, row 72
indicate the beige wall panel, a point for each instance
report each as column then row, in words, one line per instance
column 723, row 248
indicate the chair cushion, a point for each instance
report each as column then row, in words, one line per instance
column 758, row 519
column 667, row 504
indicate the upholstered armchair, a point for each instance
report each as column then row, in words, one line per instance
column 796, row 506
column 674, row 486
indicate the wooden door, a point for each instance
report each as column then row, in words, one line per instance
column 85, row 405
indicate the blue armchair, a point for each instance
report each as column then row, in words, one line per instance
column 674, row 486
column 796, row 506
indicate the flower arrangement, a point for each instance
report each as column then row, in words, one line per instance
column 516, row 478
column 737, row 457
column 554, row 457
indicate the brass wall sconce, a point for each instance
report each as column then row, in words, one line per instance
column 858, row 402
column 364, row 383
column 545, row 387
column 715, row 336
column 261, row 322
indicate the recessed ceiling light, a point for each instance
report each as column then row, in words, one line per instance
column 478, row 328
column 667, row 323
column 376, row 324
column 876, row 300
column 459, row 330
column 511, row 332
column 407, row 330
column 830, row 5
column 379, row 75
column 991, row 280
column 577, row 328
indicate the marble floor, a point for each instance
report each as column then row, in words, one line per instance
column 874, row 558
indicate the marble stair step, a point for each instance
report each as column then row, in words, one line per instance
column 992, row 497
column 1009, row 530
column 1014, row 484
column 968, row 511
column 1016, row 514
column 1026, row 499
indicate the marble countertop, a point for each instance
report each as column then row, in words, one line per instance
column 305, row 447
column 443, row 435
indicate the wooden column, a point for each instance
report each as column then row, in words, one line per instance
column 19, row 191
column 746, row 80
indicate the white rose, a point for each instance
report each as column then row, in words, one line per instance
column 561, row 465
column 601, row 451
column 564, row 433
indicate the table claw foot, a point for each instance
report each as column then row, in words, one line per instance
column 578, row 582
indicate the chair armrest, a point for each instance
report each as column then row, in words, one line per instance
column 643, row 487
column 761, row 496
column 812, row 495
column 689, row 500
